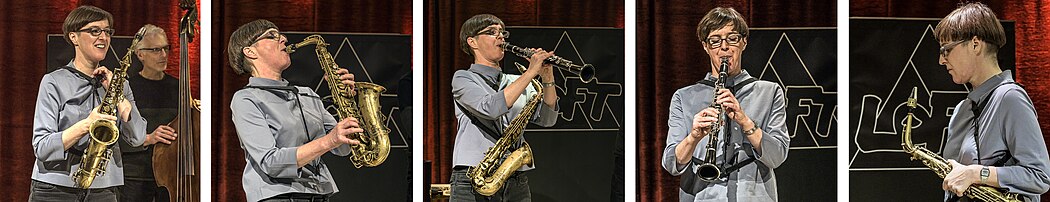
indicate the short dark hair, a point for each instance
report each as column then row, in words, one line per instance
column 718, row 18
column 243, row 37
column 472, row 26
column 81, row 16
column 968, row 21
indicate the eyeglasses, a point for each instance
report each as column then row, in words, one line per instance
column 948, row 47
column 715, row 41
column 157, row 49
column 272, row 34
column 96, row 31
column 495, row 33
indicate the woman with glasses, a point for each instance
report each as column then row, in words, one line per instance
column 67, row 105
column 487, row 100
column 158, row 102
column 283, row 129
column 753, row 139
column 993, row 136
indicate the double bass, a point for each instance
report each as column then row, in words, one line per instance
column 176, row 167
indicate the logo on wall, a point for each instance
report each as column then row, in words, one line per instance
column 802, row 62
column 882, row 116
column 595, row 105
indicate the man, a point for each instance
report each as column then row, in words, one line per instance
column 68, row 104
column 993, row 136
column 283, row 129
column 158, row 102
column 487, row 100
column 753, row 140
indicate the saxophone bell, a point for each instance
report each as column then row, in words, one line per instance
column 360, row 102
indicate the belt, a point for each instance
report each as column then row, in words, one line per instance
column 300, row 197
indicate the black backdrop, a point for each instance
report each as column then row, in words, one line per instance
column 377, row 58
column 802, row 61
column 576, row 159
column 59, row 53
column 890, row 56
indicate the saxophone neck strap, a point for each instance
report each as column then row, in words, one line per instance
column 733, row 88
column 977, row 109
column 295, row 91
column 485, row 129
column 492, row 84
column 740, row 164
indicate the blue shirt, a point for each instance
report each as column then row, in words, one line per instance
column 764, row 103
column 271, row 128
column 1009, row 127
column 65, row 97
column 471, row 89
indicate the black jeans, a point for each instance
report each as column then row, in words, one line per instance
column 515, row 189
column 141, row 191
column 42, row 191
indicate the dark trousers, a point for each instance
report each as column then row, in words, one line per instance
column 515, row 189
column 141, row 191
column 46, row 192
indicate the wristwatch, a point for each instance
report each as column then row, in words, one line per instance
column 984, row 174
column 752, row 130
column 548, row 84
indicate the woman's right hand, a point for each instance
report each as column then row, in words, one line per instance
column 702, row 123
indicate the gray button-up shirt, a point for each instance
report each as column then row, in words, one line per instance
column 763, row 101
column 1009, row 127
column 65, row 97
column 471, row 89
column 271, row 128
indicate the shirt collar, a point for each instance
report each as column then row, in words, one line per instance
column 989, row 85
column 259, row 81
column 491, row 73
column 733, row 80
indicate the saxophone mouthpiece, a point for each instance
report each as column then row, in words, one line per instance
column 914, row 95
column 289, row 49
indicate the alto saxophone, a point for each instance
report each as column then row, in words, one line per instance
column 493, row 170
column 104, row 133
column 940, row 166
column 708, row 171
column 361, row 102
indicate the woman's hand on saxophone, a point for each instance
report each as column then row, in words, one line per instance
column 105, row 74
column 340, row 135
column 961, row 177
column 72, row 134
column 347, row 78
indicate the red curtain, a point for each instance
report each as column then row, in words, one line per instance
column 667, row 53
column 443, row 55
column 372, row 16
column 1033, row 45
column 26, row 25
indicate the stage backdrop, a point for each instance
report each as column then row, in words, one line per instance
column 802, row 61
column 892, row 56
column 59, row 53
